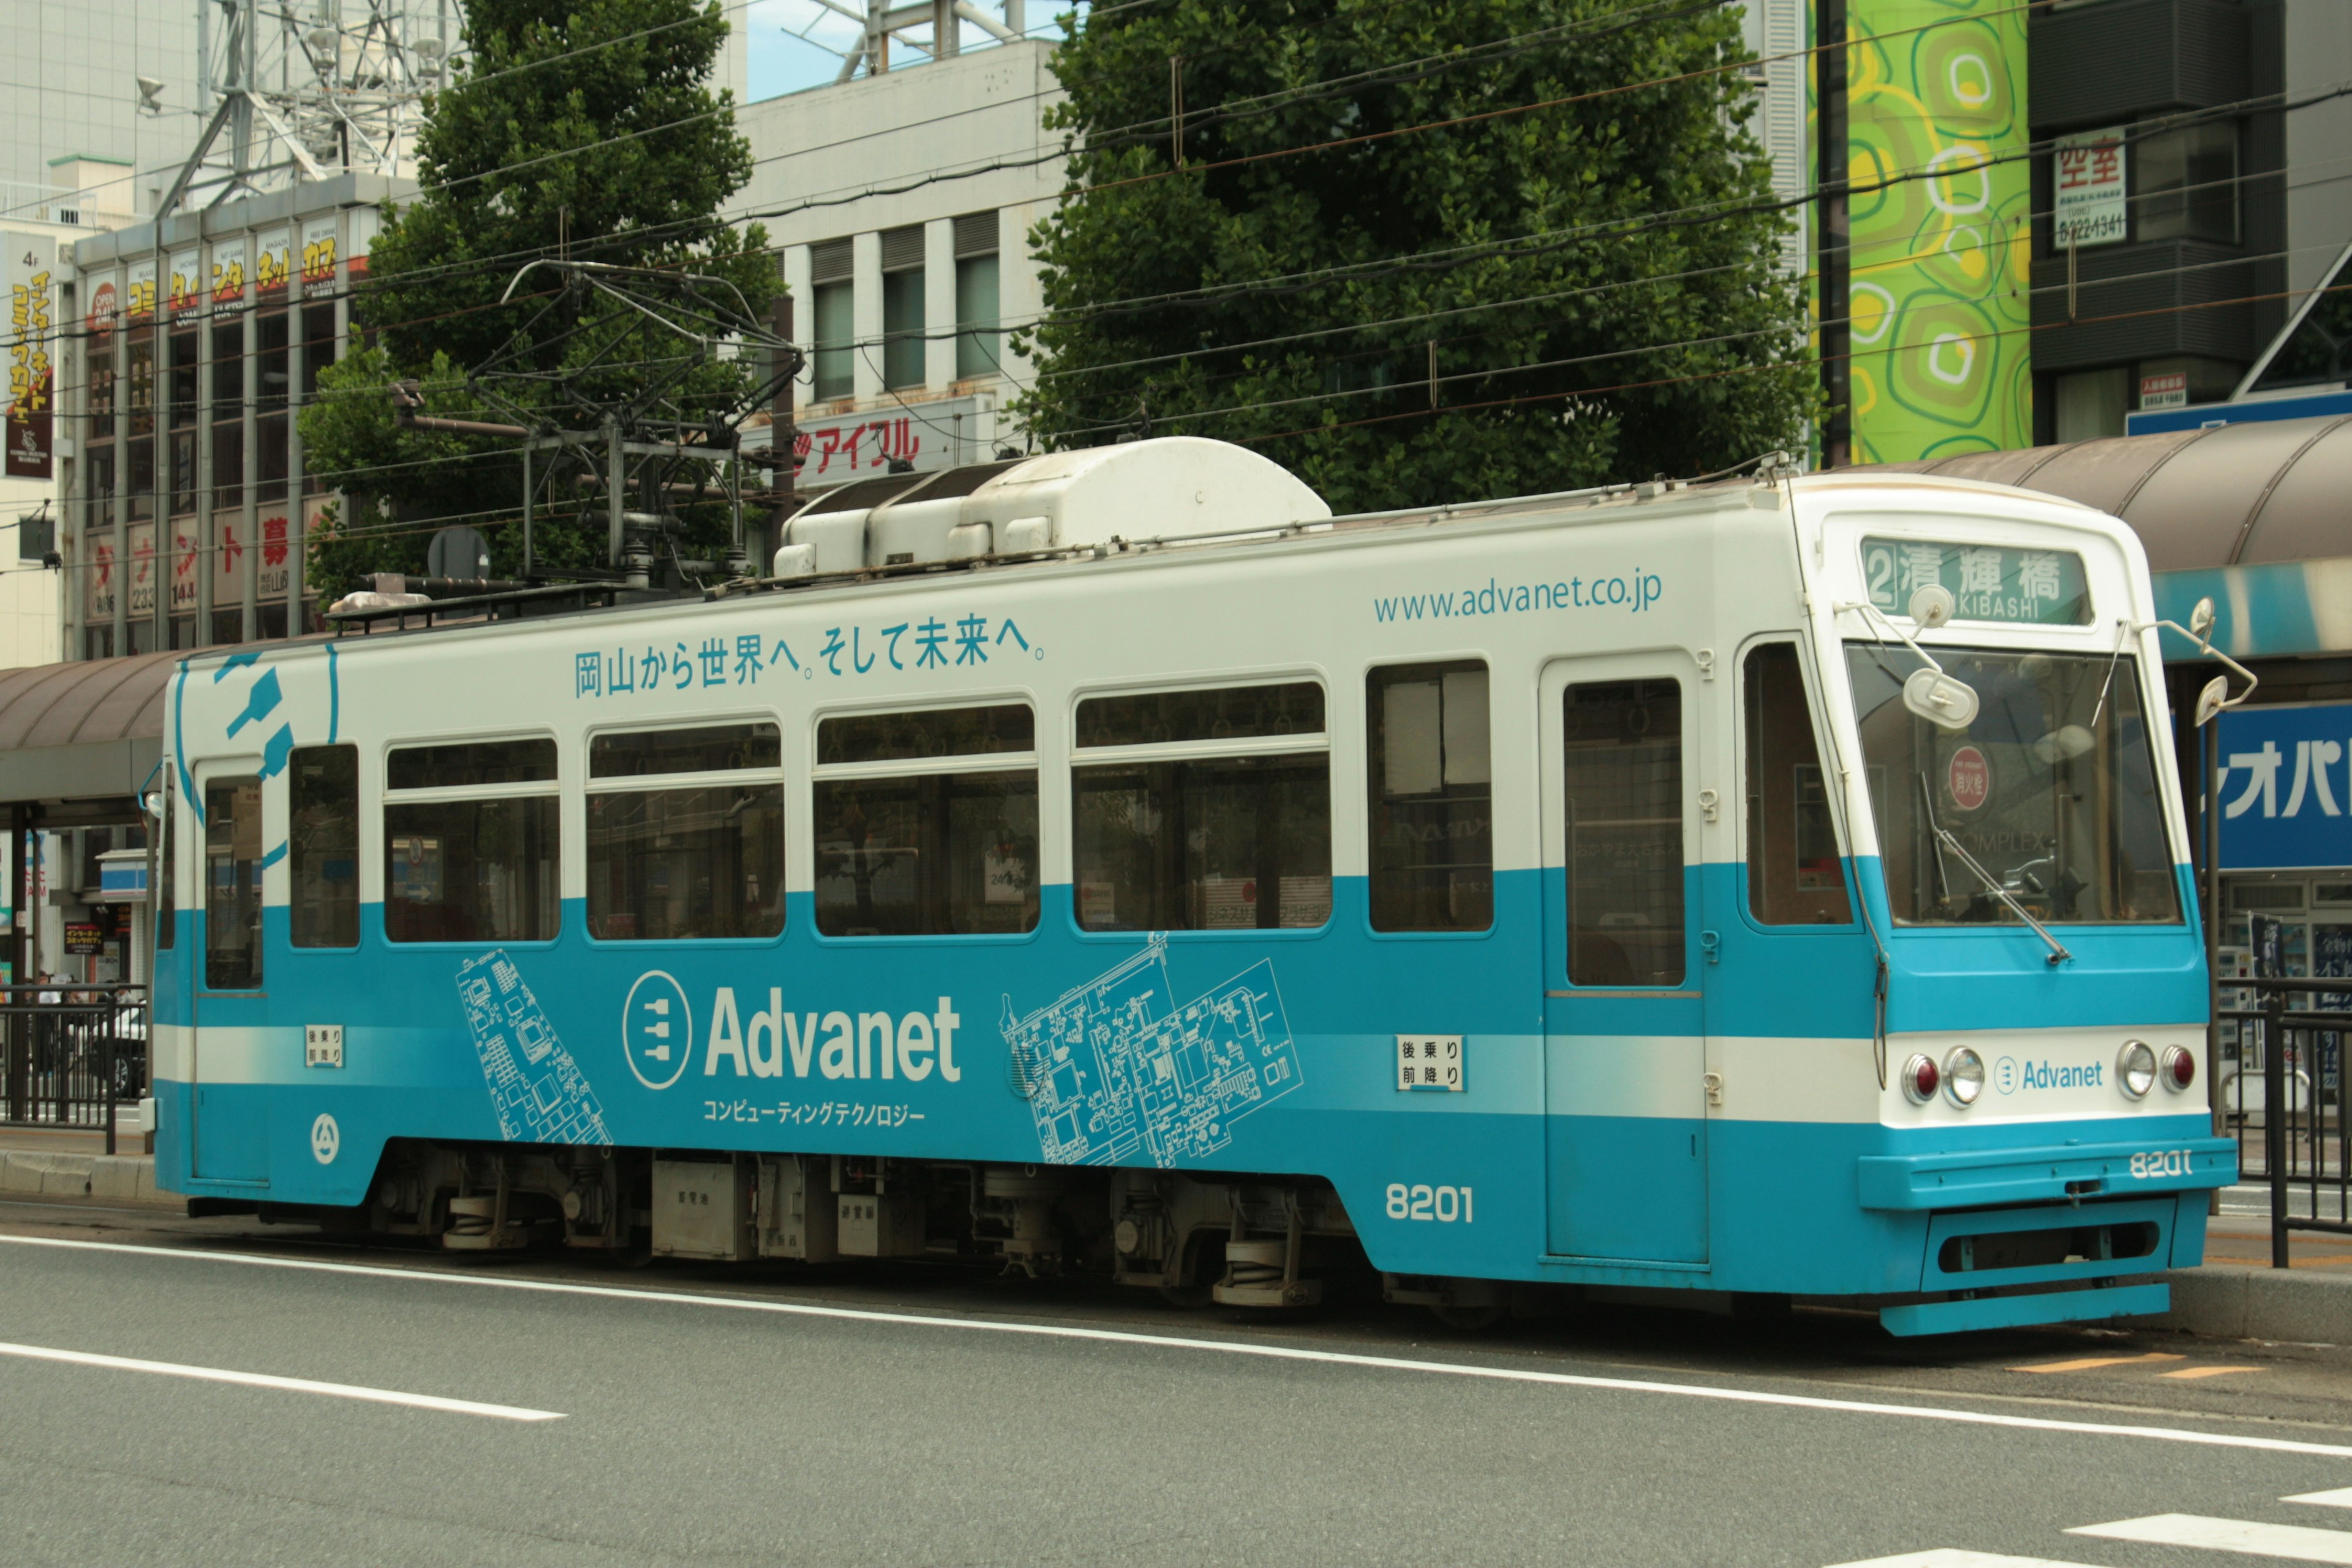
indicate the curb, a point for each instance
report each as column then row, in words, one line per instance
column 127, row 1178
column 2240, row 1303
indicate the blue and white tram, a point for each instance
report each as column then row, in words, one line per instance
column 1111, row 861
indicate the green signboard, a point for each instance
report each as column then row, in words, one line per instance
column 1988, row 582
column 1942, row 236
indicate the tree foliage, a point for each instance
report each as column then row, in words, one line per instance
column 578, row 129
column 1593, row 280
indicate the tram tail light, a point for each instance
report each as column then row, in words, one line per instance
column 2135, row 1068
column 1921, row 1078
column 2179, row 1068
column 1963, row 1077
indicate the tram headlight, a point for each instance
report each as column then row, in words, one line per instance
column 1920, row 1078
column 2179, row 1068
column 1963, row 1077
column 2135, row 1068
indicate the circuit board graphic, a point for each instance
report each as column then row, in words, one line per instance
column 538, row 1091
column 1116, row 1070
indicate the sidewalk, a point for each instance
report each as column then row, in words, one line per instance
column 72, row 1161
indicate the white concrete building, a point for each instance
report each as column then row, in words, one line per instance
column 901, row 203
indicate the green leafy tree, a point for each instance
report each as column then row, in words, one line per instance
column 1455, row 293
column 578, row 129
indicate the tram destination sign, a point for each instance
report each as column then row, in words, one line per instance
column 1988, row 582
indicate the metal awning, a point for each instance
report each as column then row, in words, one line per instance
column 2254, row 515
column 91, row 731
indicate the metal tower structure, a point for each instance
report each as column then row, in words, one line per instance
column 931, row 28
column 304, row 88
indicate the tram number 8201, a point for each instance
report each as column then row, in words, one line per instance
column 1444, row 1204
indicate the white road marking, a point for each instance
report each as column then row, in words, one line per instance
column 1948, row 1557
column 2296, row 1543
column 2340, row 1498
column 1221, row 1347
column 288, row 1384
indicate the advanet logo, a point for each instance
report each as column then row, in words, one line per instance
column 657, row 1035
column 2010, row 1075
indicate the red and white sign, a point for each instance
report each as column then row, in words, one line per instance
column 102, row 304
column 2169, row 390
column 1968, row 778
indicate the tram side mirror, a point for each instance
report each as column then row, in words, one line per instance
column 2216, row 692
column 1932, row 605
column 2201, row 624
column 153, row 801
column 1940, row 700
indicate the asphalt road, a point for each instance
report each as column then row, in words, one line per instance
column 889, row 1415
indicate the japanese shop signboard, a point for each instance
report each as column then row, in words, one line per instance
column 141, row 306
column 2285, row 786
column 835, row 450
column 274, row 262
column 2090, row 205
column 319, row 251
column 229, row 269
column 30, row 277
column 184, row 286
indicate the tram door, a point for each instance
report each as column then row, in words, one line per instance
column 228, row 1114
column 1625, row 1131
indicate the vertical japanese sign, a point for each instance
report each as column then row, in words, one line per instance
column 141, row 570
column 230, row 272
column 1942, row 234
column 2087, row 188
column 365, row 222
column 31, row 272
column 187, row 560
column 320, row 252
column 184, row 291
column 273, row 261
column 271, row 574
column 231, row 542
column 140, row 304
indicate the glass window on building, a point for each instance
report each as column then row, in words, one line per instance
column 835, row 326
column 2188, row 183
column 228, row 416
column 902, row 308
column 978, row 340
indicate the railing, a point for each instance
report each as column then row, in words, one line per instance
column 70, row 1054
column 2294, row 1111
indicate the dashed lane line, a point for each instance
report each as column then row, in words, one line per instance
column 2196, row 1372
column 2294, row 1542
column 942, row 1321
column 2088, row 1363
column 284, row 1384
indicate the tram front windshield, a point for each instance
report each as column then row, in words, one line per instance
column 2051, row 792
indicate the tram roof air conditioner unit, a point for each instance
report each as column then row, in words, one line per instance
column 1173, row 488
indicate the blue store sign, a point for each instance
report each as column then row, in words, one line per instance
column 2286, row 787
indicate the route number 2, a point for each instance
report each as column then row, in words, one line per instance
column 1444, row 1204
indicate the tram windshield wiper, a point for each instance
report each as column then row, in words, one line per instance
column 1993, row 885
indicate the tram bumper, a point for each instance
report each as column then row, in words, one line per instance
column 2046, row 1173
column 2014, row 1236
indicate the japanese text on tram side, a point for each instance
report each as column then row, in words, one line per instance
column 827, row 1113
column 749, row 658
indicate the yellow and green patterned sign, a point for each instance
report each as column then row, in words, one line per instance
column 1942, row 236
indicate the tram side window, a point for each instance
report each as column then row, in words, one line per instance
column 1623, row 774
column 322, row 845
column 1433, row 831
column 700, row 855
column 1178, row 827
column 233, row 884
column 1794, row 874
column 470, row 840
column 927, row 822
column 167, row 870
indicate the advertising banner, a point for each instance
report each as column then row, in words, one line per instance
column 188, row 562
column 230, row 272
column 2087, row 184
column 1942, row 235
column 273, row 261
column 29, row 270
column 185, row 290
column 140, row 570
column 365, row 222
column 2285, row 787
column 140, row 306
column 319, row 252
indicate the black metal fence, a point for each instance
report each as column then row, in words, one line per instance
column 69, row 1055
column 2285, row 1102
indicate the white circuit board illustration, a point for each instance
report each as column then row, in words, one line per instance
column 538, row 1091
column 1116, row 1069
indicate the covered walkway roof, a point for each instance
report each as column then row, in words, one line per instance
column 80, row 740
column 2256, row 515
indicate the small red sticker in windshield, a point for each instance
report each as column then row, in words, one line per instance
column 1969, row 778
